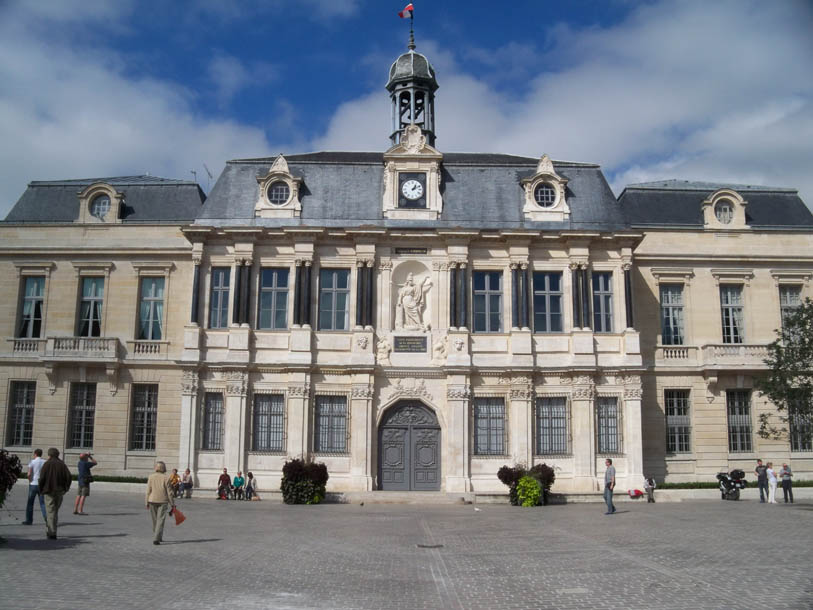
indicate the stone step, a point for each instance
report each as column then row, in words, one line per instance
column 400, row 497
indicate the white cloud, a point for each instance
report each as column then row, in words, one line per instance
column 229, row 76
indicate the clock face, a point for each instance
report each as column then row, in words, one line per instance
column 412, row 190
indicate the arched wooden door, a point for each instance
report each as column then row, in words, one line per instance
column 409, row 448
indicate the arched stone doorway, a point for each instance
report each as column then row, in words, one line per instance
column 409, row 448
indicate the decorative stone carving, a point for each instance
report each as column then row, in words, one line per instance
column 440, row 349
column 189, row 382
column 299, row 391
column 412, row 415
column 458, row 392
column 413, row 389
column 584, row 393
column 459, row 344
column 385, row 264
column 236, row 382
column 362, row 391
column 411, row 303
column 522, row 393
column 268, row 208
column 363, row 342
column 382, row 352
column 545, row 176
column 633, row 393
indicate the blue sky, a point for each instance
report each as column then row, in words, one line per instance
column 695, row 90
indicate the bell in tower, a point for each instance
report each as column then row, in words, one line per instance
column 412, row 87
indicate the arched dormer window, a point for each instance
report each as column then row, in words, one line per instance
column 724, row 209
column 99, row 203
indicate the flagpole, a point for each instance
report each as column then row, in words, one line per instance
column 411, row 30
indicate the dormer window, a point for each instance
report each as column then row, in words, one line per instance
column 545, row 195
column 100, row 206
column 278, row 193
column 724, row 211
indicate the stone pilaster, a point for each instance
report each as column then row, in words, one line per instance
column 187, row 446
column 236, row 420
column 633, row 437
column 582, row 414
column 457, row 437
column 361, row 432
column 298, row 414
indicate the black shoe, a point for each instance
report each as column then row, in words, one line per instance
column 52, row 536
column 613, row 508
column 27, row 523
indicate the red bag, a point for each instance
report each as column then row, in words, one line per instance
column 179, row 516
column 635, row 493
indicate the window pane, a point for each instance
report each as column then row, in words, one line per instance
column 144, row 417
column 21, row 413
column 212, row 422
column 489, row 426
column 82, row 413
column 330, row 434
column 608, row 430
column 551, row 426
column 738, row 403
column 268, row 430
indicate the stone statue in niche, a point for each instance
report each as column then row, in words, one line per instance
column 382, row 352
column 439, row 350
column 411, row 303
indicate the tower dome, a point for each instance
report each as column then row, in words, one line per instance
column 412, row 85
column 412, row 66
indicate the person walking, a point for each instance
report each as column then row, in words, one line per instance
column 762, row 480
column 158, row 499
column 609, row 486
column 772, row 482
column 54, row 483
column 787, row 483
column 86, row 462
column 34, row 467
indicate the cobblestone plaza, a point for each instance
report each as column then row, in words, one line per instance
column 707, row 554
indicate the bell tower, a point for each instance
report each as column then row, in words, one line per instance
column 412, row 87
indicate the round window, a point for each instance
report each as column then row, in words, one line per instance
column 100, row 206
column 724, row 211
column 545, row 195
column 278, row 193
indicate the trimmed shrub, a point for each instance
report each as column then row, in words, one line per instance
column 510, row 476
column 529, row 491
column 10, row 470
column 303, row 482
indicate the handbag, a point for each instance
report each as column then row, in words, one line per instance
column 179, row 516
column 88, row 479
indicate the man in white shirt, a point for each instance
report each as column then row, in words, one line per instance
column 34, row 467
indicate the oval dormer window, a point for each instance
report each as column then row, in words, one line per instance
column 100, row 206
column 724, row 211
column 545, row 195
column 278, row 193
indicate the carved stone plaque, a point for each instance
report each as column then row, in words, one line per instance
column 410, row 344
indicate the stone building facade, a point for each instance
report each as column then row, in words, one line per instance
column 413, row 318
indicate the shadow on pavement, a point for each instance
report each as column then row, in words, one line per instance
column 40, row 544
column 96, row 536
column 116, row 514
column 191, row 541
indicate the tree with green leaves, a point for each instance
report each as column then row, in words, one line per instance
column 789, row 383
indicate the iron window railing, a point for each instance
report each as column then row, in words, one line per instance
column 551, row 426
column 334, row 299
column 489, row 426
column 603, row 302
column 268, row 429
column 547, row 302
column 801, row 432
column 21, row 413
column 219, row 298
column 738, row 404
column 144, row 418
column 487, row 302
column 678, row 425
column 212, row 422
column 330, row 424
column 731, row 304
column 31, row 314
column 607, row 427
column 273, row 307
column 672, row 315
column 82, row 415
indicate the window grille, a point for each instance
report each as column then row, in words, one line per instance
column 21, row 413
column 151, row 309
column 489, row 426
column 801, row 432
column 678, row 425
column 268, row 431
column 732, row 313
column 219, row 298
column 487, row 305
column 607, row 428
column 145, row 417
column 212, row 422
column 790, row 298
column 334, row 299
column 330, row 434
column 738, row 404
column 31, row 315
column 273, row 308
column 82, row 415
column 278, row 193
column 551, row 426
column 90, row 308
column 672, row 315
column 547, row 302
column 602, row 302
column 724, row 211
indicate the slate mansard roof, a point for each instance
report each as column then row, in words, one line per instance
column 146, row 199
column 677, row 203
column 345, row 189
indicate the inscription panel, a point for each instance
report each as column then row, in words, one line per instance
column 414, row 345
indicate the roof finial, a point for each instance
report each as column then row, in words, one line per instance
column 409, row 10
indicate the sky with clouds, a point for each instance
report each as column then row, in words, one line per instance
column 713, row 91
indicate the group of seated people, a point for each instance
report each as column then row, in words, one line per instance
column 237, row 489
column 181, row 485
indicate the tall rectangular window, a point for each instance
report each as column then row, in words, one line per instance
column 678, row 426
column 82, row 415
column 268, row 431
column 489, row 426
column 547, row 302
column 738, row 404
column 273, row 309
column 330, row 424
column 212, row 422
column 790, row 298
column 90, row 308
column 732, row 314
column 144, row 417
column 672, row 315
column 551, row 426
column 21, row 413
column 31, row 314
column 334, row 299
column 603, row 302
column 487, row 303
column 801, row 432
column 151, row 309
column 607, row 425
column 219, row 298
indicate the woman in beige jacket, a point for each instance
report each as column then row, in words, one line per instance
column 158, row 500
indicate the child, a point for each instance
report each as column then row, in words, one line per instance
column 649, row 486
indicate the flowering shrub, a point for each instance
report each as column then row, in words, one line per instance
column 529, row 491
column 510, row 476
column 10, row 471
column 303, row 482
